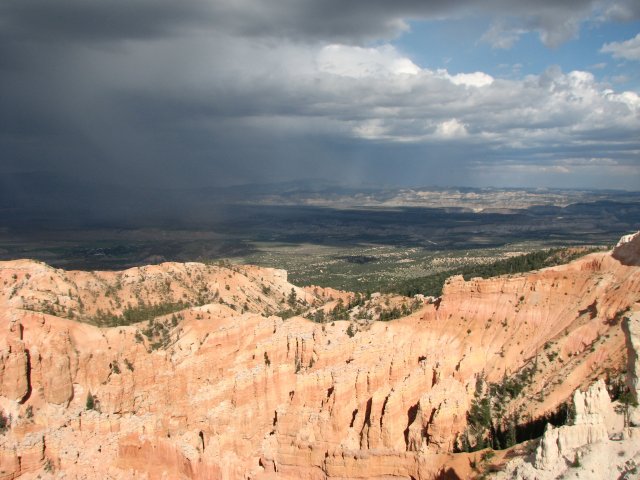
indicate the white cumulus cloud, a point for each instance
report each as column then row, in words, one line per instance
column 451, row 129
column 628, row 50
column 359, row 62
column 475, row 79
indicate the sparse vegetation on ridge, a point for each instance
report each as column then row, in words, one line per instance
column 139, row 313
column 364, row 307
column 5, row 422
column 491, row 421
column 90, row 403
column 432, row 284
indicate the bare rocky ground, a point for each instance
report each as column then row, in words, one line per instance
column 201, row 371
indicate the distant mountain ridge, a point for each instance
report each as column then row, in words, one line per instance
column 47, row 199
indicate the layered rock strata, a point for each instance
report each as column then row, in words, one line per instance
column 234, row 391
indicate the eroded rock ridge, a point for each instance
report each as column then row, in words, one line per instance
column 219, row 385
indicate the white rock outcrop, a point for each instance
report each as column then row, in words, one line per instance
column 627, row 250
column 594, row 417
column 631, row 327
column 597, row 444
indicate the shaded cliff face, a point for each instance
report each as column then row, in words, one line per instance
column 224, row 388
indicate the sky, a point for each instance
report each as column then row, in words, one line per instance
column 206, row 93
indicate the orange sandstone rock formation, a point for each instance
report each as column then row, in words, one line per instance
column 228, row 389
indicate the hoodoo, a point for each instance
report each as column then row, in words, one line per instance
column 190, row 371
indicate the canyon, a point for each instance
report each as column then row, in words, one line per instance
column 228, row 378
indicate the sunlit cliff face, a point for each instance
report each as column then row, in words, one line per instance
column 228, row 389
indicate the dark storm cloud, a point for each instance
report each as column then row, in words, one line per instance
column 336, row 20
column 78, row 20
column 178, row 93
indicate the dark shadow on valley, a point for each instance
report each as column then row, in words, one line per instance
column 75, row 239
